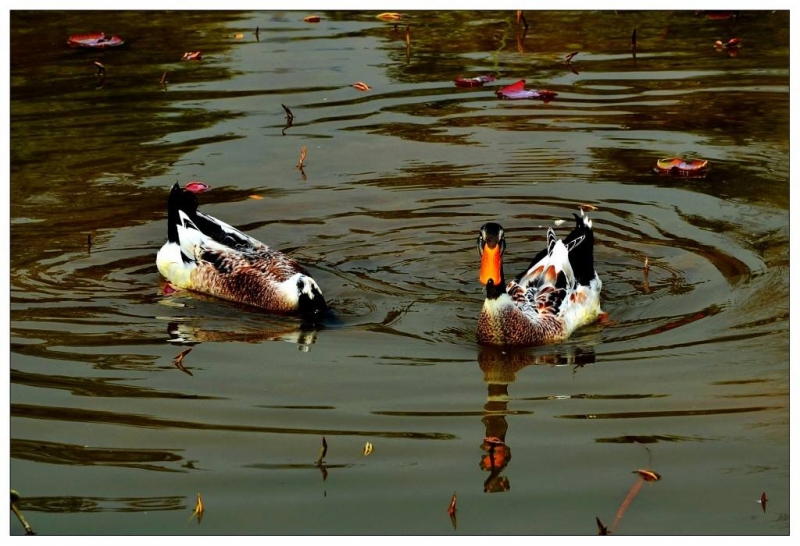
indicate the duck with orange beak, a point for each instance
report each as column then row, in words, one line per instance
column 558, row 293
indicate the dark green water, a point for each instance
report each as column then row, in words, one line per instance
column 689, row 377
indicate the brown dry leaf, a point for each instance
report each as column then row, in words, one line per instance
column 648, row 475
column 302, row 158
column 587, row 206
column 389, row 16
column 312, row 19
column 323, row 451
column 361, row 86
column 408, row 35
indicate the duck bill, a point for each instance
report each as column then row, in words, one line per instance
column 491, row 265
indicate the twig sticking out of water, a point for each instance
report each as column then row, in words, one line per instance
column 289, row 119
column 521, row 18
column 14, row 499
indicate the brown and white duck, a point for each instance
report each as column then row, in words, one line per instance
column 207, row 255
column 558, row 293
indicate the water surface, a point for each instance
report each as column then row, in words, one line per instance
column 688, row 377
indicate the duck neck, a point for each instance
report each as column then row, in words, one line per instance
column 494, row 291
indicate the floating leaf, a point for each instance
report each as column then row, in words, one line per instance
column 389, row 16
column 97, row 40
column 367, row 449
column 568, row 58
column 517, row 91
column 587, row 206
column 477, row 81
column 763, row 501
column 302, row 158
column 192, row 56
column 676, row 166
column 361, row 86
column 646, row 264
column 256, row 197
column 196, row 186
column 408, row 35
column 648, row 475
column 312, row 19
column 558, row 222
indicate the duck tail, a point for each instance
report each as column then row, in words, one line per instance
column 580, row 244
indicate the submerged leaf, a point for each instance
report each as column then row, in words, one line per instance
column 477, row 81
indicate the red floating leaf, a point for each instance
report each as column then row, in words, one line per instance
column 197, row 187
column 763, row 501
column 361, row 86
column 517, row 91
column 477, row 81
column 96, row 40
column 312, row 19
column 192, row 56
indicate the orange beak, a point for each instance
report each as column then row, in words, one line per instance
column 491, row 264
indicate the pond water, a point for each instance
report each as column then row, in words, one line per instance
column 688, row 377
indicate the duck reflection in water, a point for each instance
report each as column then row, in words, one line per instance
column 500, row 366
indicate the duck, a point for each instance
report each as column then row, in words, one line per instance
column 558, row 293
column 207, row 255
